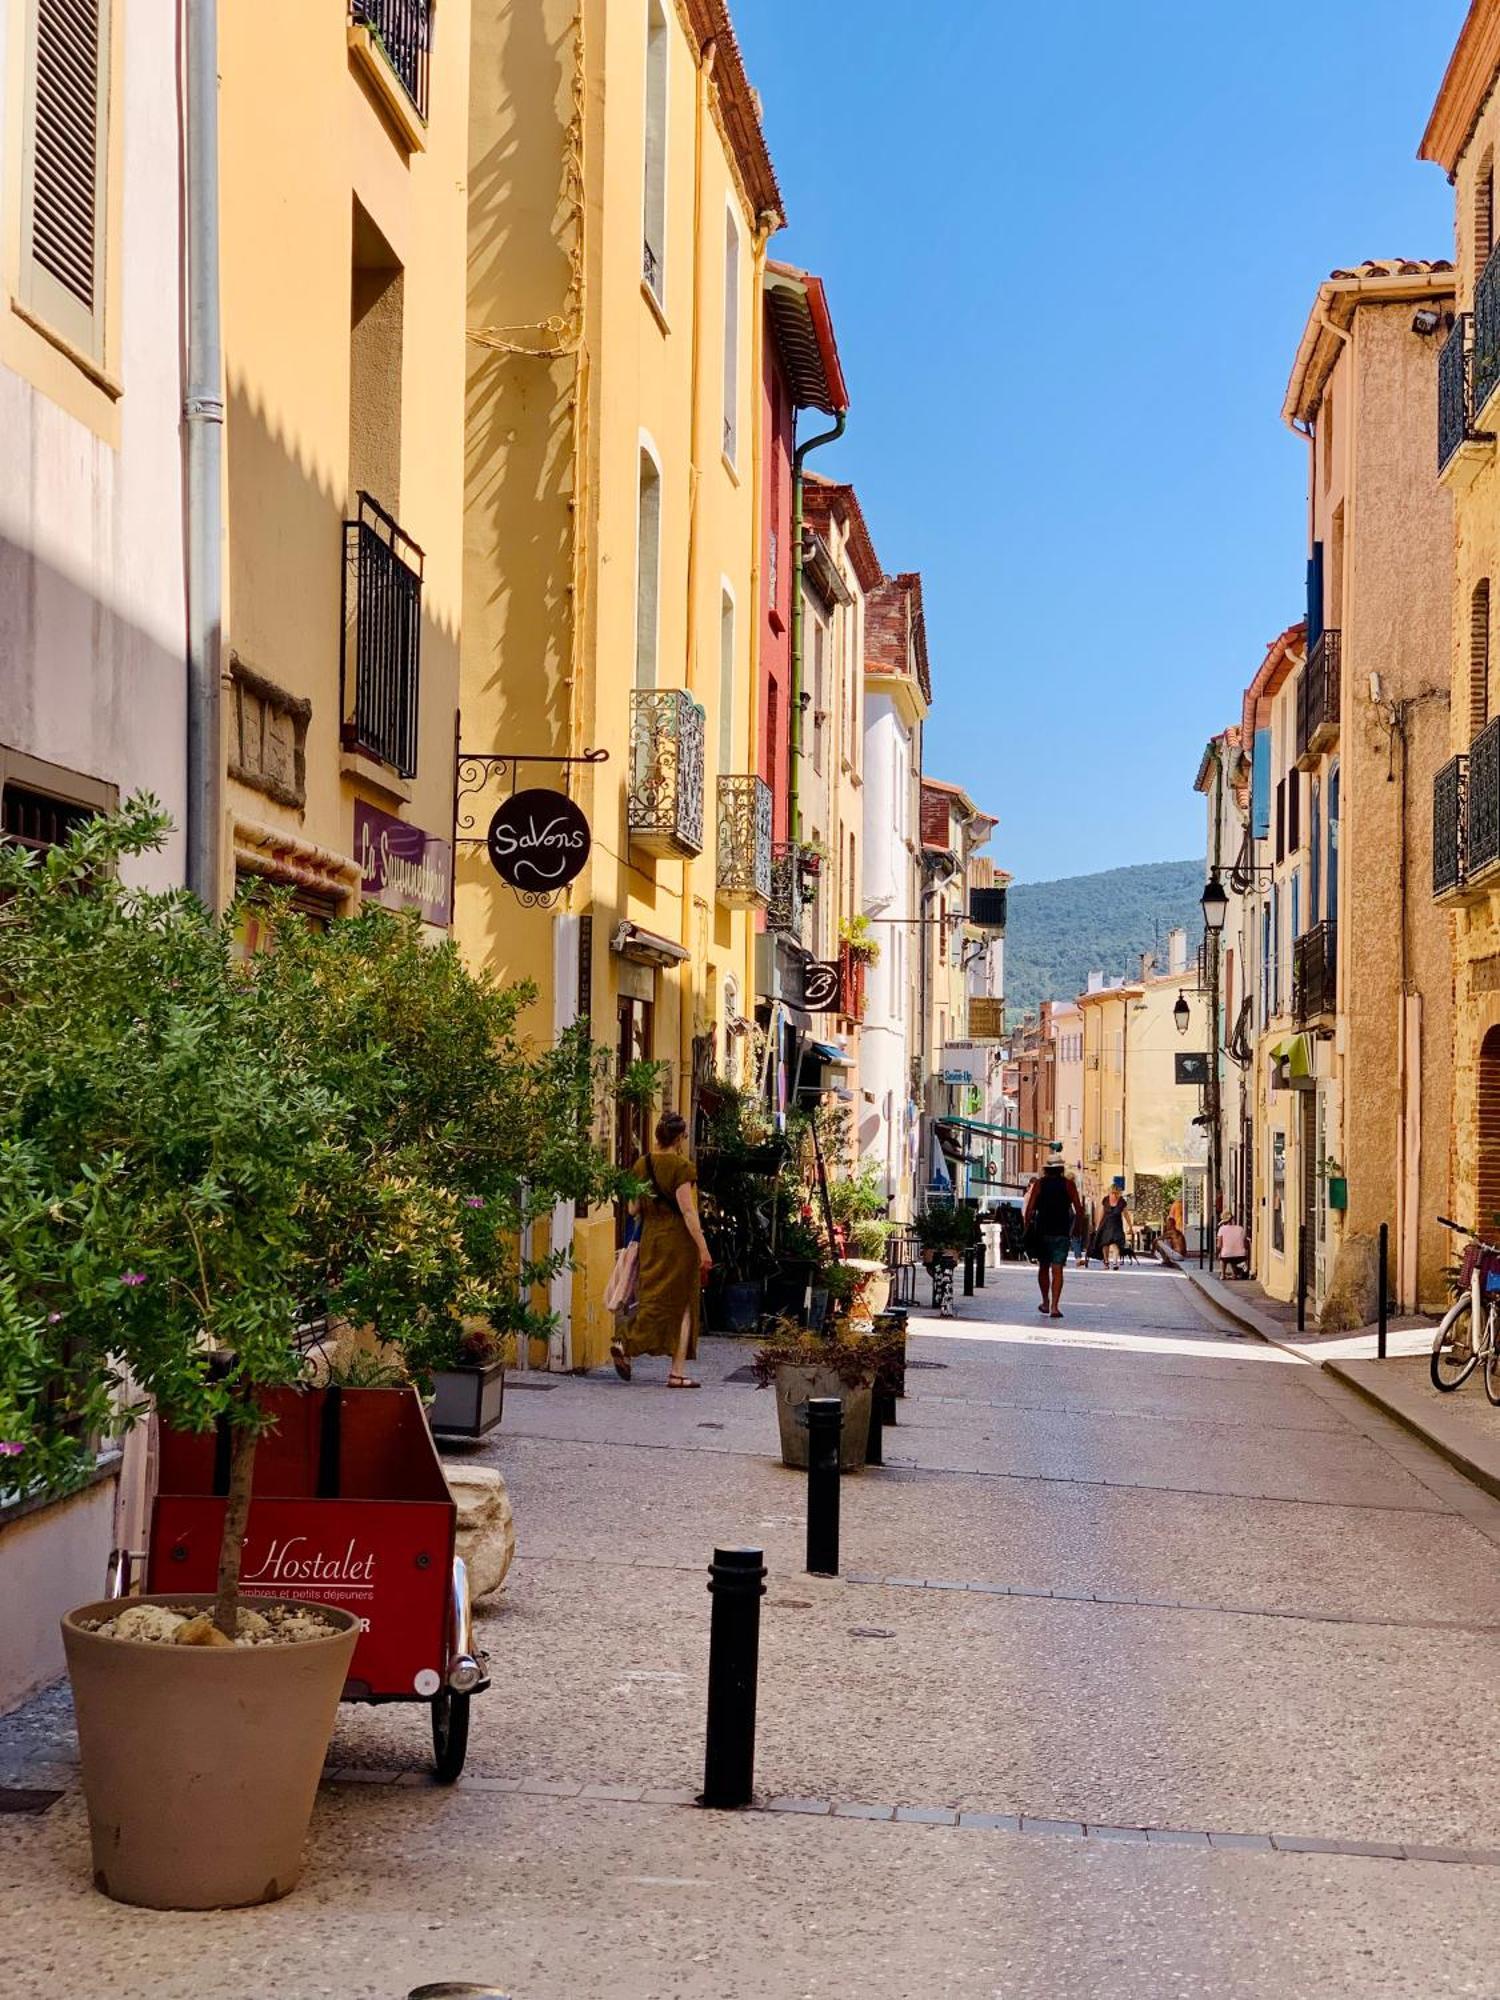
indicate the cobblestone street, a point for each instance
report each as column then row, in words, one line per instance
column 1147, row 1676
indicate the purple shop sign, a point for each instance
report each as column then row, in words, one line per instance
column 402, row 866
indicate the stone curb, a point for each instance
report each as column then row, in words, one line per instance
column 1391, row 1403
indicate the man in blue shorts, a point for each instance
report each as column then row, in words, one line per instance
column 1053, row 1212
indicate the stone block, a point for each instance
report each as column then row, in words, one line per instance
column 486, row 1526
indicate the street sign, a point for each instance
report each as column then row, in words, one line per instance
column 1191, row 1068
column 538, row 841
column 822, row 988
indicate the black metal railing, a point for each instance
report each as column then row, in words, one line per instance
column 1482, row 811
column 744, row 872
column 665, row 800
column 1315, row 973
column 987, row 910
column 1318, row 694
column 794, row 888
column 1485, row 365
column 1449, row 786
column 1455, row 388
column 403, row 29
column 380, row 656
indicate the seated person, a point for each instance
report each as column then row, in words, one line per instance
column 1233, row 1249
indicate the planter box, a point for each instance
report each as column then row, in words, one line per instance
column 796, row 1383
column 467, row 1402
column 1338, row 1191
column 736, row 1308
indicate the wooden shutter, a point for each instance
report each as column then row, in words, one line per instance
column 1488, row 1191
column 1315, row 596
column 63, row 190
column 1281, row 819
column 1293, row 811
column 1479, row 658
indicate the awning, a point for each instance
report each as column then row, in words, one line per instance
column 1296, row 1052
column 830, row 1055
column 646, row 947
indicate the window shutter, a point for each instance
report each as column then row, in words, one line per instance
column 1281, row 819
column 1293, row 811
column 67, row 143
column 1315, row 596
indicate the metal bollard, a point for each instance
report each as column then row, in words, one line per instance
column 882, row 1412
column 1302, row 1279
column 969, row 1272
column 825, row 1423
column 736, row 1584
column 1383, row 1290
column 979, row 1264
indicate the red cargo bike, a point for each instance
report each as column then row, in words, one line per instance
column 348, row 1507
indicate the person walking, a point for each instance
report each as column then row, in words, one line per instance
column 1113, row 1220
column 1053, row 1213
column 674, row 1258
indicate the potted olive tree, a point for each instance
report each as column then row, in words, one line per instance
column 198, row 1156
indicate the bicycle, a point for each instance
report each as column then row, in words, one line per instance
column 1456, row 1353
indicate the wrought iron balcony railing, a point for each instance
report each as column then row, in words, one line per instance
column 666, row 772
column 794, row 888
column 1449, row 789
column 403, row 29
column 1315, row 973
column 1482, row 804
column 1456, row 388
column 987, row 910
column 744, row 875
column 1318, row 696
column 380, row 656
column 1485, row 366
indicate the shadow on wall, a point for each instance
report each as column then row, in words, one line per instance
column 87, row 689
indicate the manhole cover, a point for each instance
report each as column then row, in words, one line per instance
column 870, row 1632
column 26, row 1799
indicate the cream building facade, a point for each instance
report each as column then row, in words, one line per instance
column 620, row 200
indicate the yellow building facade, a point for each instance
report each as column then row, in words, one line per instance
column 343, row 250
column 620, row 200
column 1105, row 1012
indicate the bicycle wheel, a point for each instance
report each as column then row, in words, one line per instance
column 1492, row 1358
column 1453, row 1356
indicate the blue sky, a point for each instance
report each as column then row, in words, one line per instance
column 1070, row 250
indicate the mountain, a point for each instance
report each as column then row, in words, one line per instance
column 1057, row 933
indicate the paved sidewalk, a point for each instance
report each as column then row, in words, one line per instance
column 1126, row 1690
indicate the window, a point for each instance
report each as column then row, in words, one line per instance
column 1325, row 425
column 773, row 738
column 731, row 339
column 66, row 150
column 1479, row 658
column 647, row 571
column 1484, row 213
column 819, row 692
column 654, row 256
column 853, row 904
column 726, row 680
column 1293, row 811
column 1281, row 819
column 636, row 1043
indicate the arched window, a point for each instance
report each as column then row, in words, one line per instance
column 1479, row 658
column 1487, row 1175
column 647, row 571
column 1484, row 213
column 655, row 191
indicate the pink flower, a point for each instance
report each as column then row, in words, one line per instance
column 132, row 1277
column 473, row 1201
column 11, row 1450
column 53, row 1318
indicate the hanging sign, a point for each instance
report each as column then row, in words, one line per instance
column 401, row 865
column 822, row 988
column 1191, row 1068
column 538, row 841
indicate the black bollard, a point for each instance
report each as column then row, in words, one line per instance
column 882, row 1412
column 825, row 1422
column 736, row 1584
column 969, row 1272
column 979, row 1264
column 1383, row 1291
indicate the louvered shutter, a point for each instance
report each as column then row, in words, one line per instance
column 67, row 144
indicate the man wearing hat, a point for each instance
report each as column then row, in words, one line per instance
column 1053, row 1211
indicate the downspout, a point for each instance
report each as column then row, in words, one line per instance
column 203, row 422
column 794, row 720
column 764, row 229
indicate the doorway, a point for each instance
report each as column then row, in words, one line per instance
column 1487, row 1174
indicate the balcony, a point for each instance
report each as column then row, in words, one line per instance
column 380, row 656
column 851, row 984
column 402, row 31
column 744, row 877
column 1485, row 360
column 1449, row 789
column 1481, row 850
column 1315, row 974
column 987, row 910
column 1318, row 700
column 666, row 773
column 794, row 889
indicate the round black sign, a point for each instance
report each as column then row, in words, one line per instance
column 539, row 841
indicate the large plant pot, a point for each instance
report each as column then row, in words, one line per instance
column 796, row 1382
column 467, row 1402
column 737, row 1308
column 201, row 1763
column 786, row 1288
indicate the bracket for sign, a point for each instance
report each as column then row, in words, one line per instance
column 478, row 770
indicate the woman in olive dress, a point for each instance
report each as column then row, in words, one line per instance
column 674, row 1258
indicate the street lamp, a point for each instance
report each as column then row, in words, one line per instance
column 1182, row 1014
column 1215, row 904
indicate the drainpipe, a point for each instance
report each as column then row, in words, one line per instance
column 794, row 733
column 203, row 423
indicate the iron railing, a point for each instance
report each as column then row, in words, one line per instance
column 380, row 656
column 744, row 874
column 987, row 910
column 1456, row 388
column 1482, row 813
column 794, row 888
column 403, row 29
column 1449, row 786
column 1318, row 695
column 1486, row 360
column 666, row 772
column 1315, row 973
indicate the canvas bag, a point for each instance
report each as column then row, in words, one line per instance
column 622, row 1293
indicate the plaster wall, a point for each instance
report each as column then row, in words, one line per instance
column 92, row 614
column 51, row 1561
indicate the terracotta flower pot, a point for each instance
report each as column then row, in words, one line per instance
column 201, row 1763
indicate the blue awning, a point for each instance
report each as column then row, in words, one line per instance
column 829, row 1053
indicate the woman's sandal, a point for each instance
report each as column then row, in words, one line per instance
column 682, row 1382
column 621, row 1360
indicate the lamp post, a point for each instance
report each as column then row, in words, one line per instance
column 1182, row 1013
column 1215, row 906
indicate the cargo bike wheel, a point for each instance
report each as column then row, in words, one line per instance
column 450, row 1734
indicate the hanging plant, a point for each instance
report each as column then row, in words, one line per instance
column 859, row 939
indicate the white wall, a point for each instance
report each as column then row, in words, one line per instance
column 888, row 892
